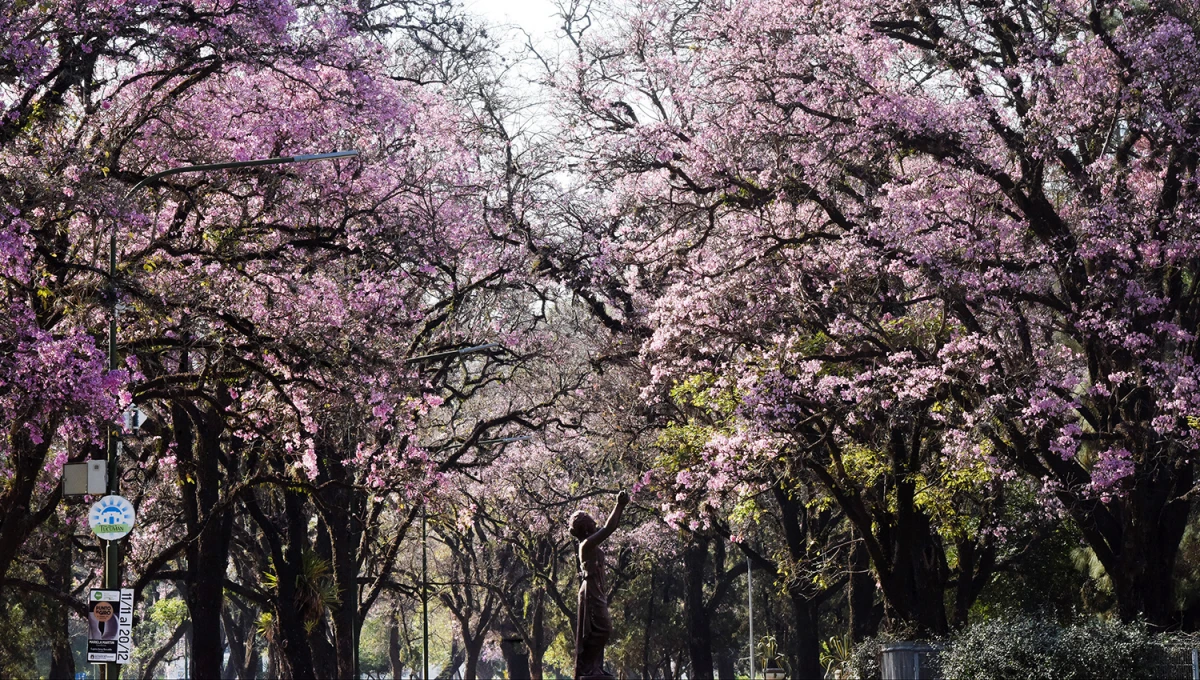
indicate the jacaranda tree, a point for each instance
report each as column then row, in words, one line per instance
column 949, row 237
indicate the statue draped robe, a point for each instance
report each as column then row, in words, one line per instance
column 594, row 623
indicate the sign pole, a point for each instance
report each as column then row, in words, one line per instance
column 112, row 548
column 424, row 594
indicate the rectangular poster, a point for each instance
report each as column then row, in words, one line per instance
column 110, row 625
column 125, row 627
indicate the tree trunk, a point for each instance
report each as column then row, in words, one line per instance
column 539, row 643
column 906, row 553
column 473, row 650
column 58, row 577
column 325, row 656
column 648, row 627
column 700, row 641
column 725, row 665
column 294, row 644
column 515, row 651
column 806, row 650
column 16, row 520
column 1136, row 536
column 62, row 661
column 917, row 584
column 205, row 592
column 275, row 662
column 865, row 613
column 344, row 558
column 976, row 565
column 1143, row 577
column 159, row 654
column 242, row 640
column 394, row 662
column 456, row 659
column 251, row 658
column 919, row 573
column 207, row 556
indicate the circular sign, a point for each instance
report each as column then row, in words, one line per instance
column 111, row 518
column 103, row 611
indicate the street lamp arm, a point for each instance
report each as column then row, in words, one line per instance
column 452, row 352
column 233, row 165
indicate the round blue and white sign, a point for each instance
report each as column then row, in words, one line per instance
column 111, row 517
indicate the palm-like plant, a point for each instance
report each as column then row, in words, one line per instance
column 315, row 589
column 835, row 655
column 769, row 658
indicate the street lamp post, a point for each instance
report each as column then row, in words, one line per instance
column 424, row 594
column 112, row 549
column 424, row 509
column 750, row 606
column 425, row 532
column 424, row 514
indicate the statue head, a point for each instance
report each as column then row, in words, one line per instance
column 582, row 525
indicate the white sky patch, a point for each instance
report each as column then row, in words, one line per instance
column 514, row 25
column 537, row 17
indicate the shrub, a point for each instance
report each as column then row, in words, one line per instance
column 1036, row 648
column 1097, row 649
column 864, row 659
column 1003, row 649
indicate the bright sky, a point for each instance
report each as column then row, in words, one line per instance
column 537, row 17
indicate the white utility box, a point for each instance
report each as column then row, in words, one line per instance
column 87, row 478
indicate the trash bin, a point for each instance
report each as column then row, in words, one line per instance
column 909, row 661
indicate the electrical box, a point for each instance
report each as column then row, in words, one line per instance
column 97, row 483
column 75, row 479
column 87, row 478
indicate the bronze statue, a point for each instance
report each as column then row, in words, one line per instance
column 594, row 623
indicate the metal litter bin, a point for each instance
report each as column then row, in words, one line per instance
column 909, row 661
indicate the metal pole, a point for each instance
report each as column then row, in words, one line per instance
column 425, row 596
column 354, row 626
column 750, row 605
column 112, row 549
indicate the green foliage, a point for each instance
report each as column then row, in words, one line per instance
column 315, row 589
column 653, row 596
column 1045, row 579
column 864, row 659
column 1032, row 647
column 169, row 612
column 1003, row 648
column 20, row 635
column 681, row 444
column 561, row 653
column 747, row 511
column 373, row 647
column 837, row 653
column 700, row 391
column 266, row 624
column 767, row 650
column 1187, row 567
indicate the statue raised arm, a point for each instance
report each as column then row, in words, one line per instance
column 594, row 623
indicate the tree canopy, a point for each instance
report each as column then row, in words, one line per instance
column 895, row 304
